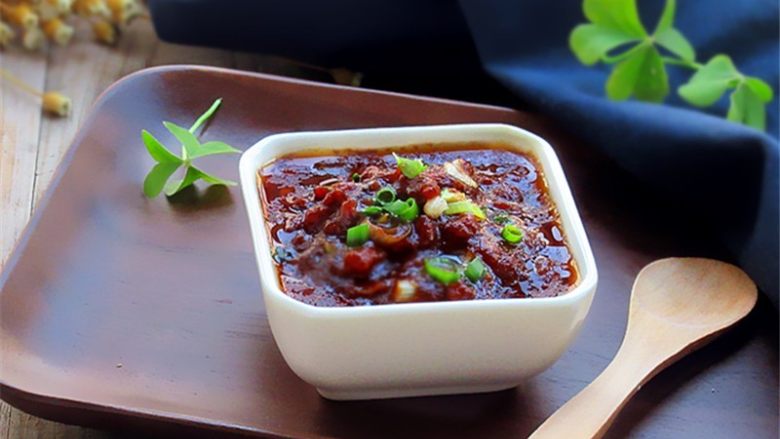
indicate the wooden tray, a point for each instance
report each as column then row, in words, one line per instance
column 122, row 312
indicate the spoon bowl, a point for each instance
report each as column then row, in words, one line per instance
column 715, row 294
column 677, row 306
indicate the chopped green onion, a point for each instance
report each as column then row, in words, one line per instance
column 395, row 207
column 466, row 206
column 442, row 270
column 406, row 210
column 501, row 218
column 435, row 207
column 512, row 234
column 410, row 168
column 411, row 212
column 475, row 270
column 358, row 235
column 355, row 177
column 385, row 195
column 371, row 210
column 281, row 254
column 452, row 195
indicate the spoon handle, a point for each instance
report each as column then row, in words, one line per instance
column 677, row 306
column 590, row 413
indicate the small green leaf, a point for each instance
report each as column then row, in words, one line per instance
column 667, row 17
column 642, row 75
column 653, row 86
column 615, row 14
column 157, row 150
column 640, row 71
column 213, row 179
column 191, row 176
column 675, row 42
column 205, row 116
column 760, row 88
column 709, row 83
column 670, row 38
column 156, row 178
column 211, row 148
column 590, row 42
column 747, row 108
column 187, row 139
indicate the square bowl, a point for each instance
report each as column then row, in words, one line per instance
column 427, row 348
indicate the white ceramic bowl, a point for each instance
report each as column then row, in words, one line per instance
column 417, row 349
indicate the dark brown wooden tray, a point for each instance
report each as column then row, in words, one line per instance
column 127, row 313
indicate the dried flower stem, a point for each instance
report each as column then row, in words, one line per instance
column 6, row 34
column 104, row 31
column 21, row 15
column 51, row 101
column 19, row 83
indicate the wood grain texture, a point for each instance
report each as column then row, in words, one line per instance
column 85, row 306
column 677, row 306
column 32, row 144
column 728, row 387
column 82, row 70
column 19, row 134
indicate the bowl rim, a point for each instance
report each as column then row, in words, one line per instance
column 249, row 165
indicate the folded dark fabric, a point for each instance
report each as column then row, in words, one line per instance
column 725, row 172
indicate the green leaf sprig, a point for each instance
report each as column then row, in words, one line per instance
column 157, row 180
column 640, row 68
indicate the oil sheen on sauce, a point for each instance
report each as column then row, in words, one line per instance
column 310, row 201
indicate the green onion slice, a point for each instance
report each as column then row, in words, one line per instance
column 385, row 195
column 358, row 235
column 282, row 254
column 410, row 168
column 512, row 234
column 443, row 270
column 466, row 206
column 372, row 210
column 475, row 270
column 501, row 219
column 405, row 210
column 411, row 212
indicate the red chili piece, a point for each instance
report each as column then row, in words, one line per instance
column 359, row 262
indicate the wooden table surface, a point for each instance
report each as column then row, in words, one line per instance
column 33, row 143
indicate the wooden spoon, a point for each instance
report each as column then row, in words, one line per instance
column 677, row 306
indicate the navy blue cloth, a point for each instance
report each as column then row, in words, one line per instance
column 726, row 172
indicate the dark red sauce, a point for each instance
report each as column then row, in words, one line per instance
column 310, row 201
